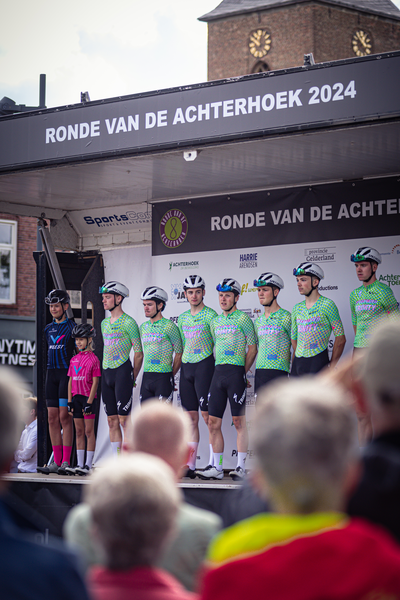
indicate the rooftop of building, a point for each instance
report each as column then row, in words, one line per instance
column 228, row 8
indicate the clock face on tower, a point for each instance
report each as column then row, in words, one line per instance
column 361, row 43
column 260, row 43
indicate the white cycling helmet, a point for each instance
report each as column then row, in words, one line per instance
column 366, row 253
column 229, row 285
column 154, row 293
column 114, row 287
column 193, row 281
column 308, row 268
column 269, row 279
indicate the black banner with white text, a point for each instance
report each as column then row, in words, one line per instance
column 327, row 212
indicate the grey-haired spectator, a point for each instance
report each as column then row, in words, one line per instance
column 134, row 505
column 305, row 438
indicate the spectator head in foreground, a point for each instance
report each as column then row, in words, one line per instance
column 134, row 503
column 305, row 439
column 11, row 417
column 161, row 430
column 380, row 377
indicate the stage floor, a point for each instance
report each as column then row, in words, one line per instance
column 185, row 482
column 42, row 501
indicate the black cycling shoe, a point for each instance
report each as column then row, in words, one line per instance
column 191, row 473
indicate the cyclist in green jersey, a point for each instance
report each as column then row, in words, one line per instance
column 232, row 331
column 121, row 335
column 160, row 339
column 369, row 303
column 313, row 321
column 373, row 299
column 273, row 330
column 197, row 362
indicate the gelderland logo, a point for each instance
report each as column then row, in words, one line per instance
column 173, row 228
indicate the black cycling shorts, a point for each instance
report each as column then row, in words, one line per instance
column 195, row 383
column 79, row 403
column 116, row 389
column 264, row 376
column 157, row 385
column 228, row 383
column 56, row 388
column 311, row 365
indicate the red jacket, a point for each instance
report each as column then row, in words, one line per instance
column 142, row 583
column 349, row 560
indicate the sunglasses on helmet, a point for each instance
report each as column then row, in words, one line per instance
column 55, row 300
column 358, row 258
column 225, row 288
column 298, row 272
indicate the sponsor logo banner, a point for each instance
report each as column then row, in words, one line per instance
column 177, row 292
column 187, row 264
column 101, row 221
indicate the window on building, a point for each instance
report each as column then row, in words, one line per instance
column 260, row 67
column 8, row 261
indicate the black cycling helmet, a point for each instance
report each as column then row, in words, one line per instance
column 56, row 296
column 84, row 330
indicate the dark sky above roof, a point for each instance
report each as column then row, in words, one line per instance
column 232, row 7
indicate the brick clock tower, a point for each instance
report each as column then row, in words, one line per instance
column 250, row 36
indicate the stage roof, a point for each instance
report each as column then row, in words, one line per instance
column 306, row 126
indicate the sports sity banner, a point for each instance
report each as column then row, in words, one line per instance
column 326, row 212
column 347, row 91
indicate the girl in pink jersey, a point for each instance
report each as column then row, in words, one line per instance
column 84, row 373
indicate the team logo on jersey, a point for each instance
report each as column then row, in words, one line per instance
column 57, row 339
column 77, row 369
column 173, row 228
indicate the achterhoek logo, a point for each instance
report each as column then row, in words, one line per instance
column 192, row 264
column 173, row 228
column 390, row 280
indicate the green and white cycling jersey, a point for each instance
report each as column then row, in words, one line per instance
column 196, row 335
column 160, row 340
column 312, row 327
column 231, row 335
column 119, row 339
column 370, row 303
column 274, row 340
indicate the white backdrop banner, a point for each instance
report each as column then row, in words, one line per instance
column 136, row 268
column 247, row 264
